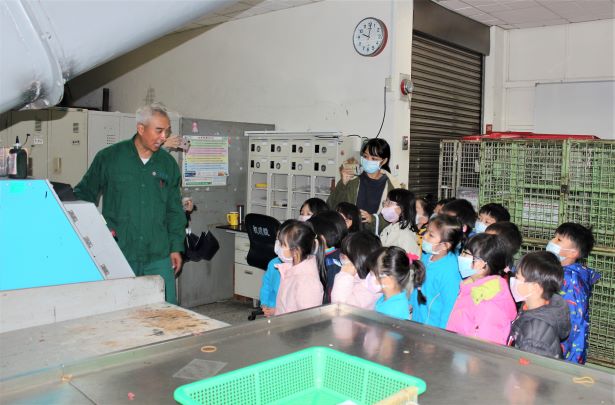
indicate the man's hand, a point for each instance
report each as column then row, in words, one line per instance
column 176, row 262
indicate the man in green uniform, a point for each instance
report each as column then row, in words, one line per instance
column 140, row 186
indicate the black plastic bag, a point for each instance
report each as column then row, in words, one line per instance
column 197, row 248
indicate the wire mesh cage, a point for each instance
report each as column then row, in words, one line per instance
column 545, row 183
column 447, row 175
column 590, row 198
column 468, row 169
column 601, row 341
column 459, row 167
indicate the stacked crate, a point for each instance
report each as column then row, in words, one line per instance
column 546, row 181
column 459, row 167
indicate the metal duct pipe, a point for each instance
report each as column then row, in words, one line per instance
column 44, row 43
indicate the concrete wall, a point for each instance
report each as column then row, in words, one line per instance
column 295, row 68
column 520, row 59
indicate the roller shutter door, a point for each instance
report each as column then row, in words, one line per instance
column 446, row 104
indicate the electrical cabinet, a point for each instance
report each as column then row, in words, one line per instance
column 287, row 168
column 103, row 130
column 67, row 146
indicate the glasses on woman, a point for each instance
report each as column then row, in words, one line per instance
column 389, row 203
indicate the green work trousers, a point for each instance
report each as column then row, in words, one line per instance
column 160, row 268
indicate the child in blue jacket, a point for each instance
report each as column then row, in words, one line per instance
column 442, row 278
column 398, row 273
column 571, row 243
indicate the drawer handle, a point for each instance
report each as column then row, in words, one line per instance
column 248, row 272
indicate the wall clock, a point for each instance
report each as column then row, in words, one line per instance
column 370, row 36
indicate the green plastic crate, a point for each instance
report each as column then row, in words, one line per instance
column 545, row 183
column 601, row 339
column 317, row 375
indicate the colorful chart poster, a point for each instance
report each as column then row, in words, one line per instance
column 206, row 162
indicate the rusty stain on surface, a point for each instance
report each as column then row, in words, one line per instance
column 169, row 320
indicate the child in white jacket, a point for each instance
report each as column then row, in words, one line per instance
column 355, row 284
column 399, row 209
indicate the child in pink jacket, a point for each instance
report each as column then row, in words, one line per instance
column 355, row 284
column 300, row 252
column 484, row 308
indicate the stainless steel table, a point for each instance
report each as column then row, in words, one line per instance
column 456, row 369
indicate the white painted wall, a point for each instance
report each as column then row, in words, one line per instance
column 295, row 68
column 520, row 59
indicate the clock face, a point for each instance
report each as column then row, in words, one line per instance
column 370, row 37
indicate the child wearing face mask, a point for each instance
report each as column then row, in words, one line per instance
column 302, row 261
column 544, row 320
column 312, row 206
column 484, row 308
column 442, row 276
column 424, row 211
column 399, row 211
column 354, row 284
column 398, row 273
column 490, row 214
column 571, row 243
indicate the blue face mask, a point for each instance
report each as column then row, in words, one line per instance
column 480, row 227
column 465, row 266
column 555, row 249
column 369, row 166
column 428, row 248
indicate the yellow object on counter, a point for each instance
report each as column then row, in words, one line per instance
column 260, row 185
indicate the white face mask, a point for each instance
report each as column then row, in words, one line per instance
column 514, row 285
column 277, row 248
column 390, row 215
column 304, row 218
column 480, row 227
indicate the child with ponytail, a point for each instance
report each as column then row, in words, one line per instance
column 302, row 263
column 398, row 274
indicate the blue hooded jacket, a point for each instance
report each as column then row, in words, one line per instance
column 578, row 283
column 270, row 284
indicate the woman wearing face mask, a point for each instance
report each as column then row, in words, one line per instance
column 368, row 190
column 354, row 284
column 399, row 211
column 484, row 308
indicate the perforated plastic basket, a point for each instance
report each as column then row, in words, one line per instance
column 317, row 375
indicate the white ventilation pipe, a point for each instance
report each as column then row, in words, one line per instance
column 44, row 43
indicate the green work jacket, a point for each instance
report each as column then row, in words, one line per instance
column 141, row 202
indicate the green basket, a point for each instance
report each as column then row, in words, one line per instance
column 317, row 375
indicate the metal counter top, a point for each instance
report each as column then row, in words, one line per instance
column 456, row 369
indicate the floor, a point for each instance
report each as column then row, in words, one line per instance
column 229, row 311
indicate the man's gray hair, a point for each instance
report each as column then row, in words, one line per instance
column 145, row 113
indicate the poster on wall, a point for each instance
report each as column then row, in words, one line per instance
column 206, row 161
